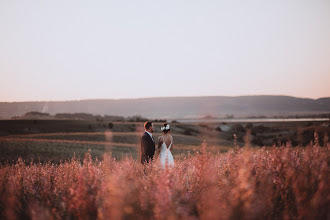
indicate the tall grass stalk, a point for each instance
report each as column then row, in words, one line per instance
column 269, row 183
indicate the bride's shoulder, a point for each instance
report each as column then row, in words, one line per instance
column 160, row 138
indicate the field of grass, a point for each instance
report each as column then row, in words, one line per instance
column 44, row 148
column 58, row 140
column 244, row 183
column 61, row 169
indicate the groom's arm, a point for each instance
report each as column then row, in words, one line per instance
column 144, row 146
column 148, row 149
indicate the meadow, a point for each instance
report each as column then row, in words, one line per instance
column 90, row 170
column 269, row 183
column 57, row 140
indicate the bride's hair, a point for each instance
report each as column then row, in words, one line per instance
column 166, row 128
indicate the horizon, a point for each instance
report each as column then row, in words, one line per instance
column 78, row 50
column 206, row 96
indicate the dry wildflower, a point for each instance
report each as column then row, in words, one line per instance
column 282, row 182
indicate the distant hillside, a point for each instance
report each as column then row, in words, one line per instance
column 177, row 107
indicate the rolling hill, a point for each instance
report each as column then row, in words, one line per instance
column 177, row 107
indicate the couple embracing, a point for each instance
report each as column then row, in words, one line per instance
column 165, row 145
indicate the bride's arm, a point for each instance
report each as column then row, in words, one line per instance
column 160, row 142
column 172, row 143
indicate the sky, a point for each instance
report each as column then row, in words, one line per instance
column 77, row 49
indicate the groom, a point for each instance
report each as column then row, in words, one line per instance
column 147, row 143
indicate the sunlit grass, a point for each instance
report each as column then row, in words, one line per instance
column 268, row 183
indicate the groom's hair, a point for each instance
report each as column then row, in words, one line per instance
column 147, row 125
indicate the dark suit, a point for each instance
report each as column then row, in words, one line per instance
column 147, row 148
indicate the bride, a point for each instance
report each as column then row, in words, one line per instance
column 165, row 146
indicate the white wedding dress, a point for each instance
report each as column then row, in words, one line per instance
column 166, row 157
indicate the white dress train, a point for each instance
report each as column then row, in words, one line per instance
column 166, row 157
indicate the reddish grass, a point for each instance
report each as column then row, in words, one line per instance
column 270, row 183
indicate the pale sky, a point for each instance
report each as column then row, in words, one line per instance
column 73, row 50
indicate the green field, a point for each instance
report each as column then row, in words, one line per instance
column 58, row 140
